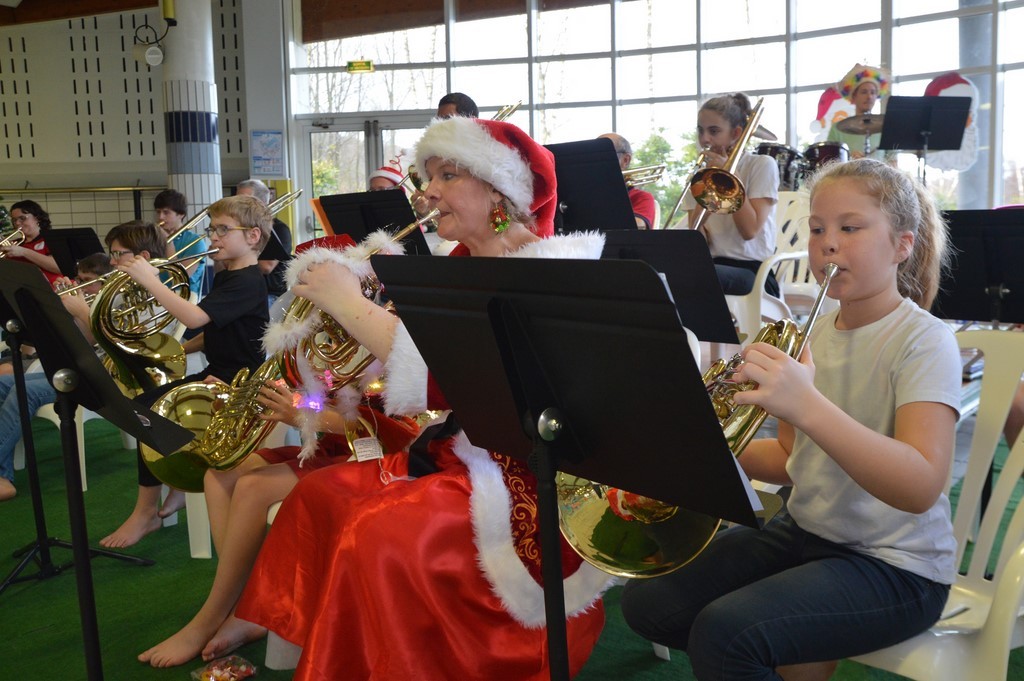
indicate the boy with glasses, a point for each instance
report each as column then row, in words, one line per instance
column 232, row 318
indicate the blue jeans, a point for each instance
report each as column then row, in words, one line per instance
column 754, row 600
column 39, row 392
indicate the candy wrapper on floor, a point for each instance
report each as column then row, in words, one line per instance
column 230, row 668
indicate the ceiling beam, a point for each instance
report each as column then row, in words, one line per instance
column 34, row 11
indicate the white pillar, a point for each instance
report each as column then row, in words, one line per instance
column 190, row 106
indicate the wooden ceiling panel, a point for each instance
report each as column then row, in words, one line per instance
column 332, row 20
column 34, row 11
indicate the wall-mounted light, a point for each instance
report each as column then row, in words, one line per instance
column 167, row 8
column 148, row 54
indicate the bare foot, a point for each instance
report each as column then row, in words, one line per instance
column 137, row 526
column 179, row 648
column 232, row 635
column 174, row 502
column 7, row 490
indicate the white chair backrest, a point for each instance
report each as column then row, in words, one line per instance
column 791, row 235
column 1004, row 365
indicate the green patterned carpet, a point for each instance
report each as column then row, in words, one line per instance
column 138, row 606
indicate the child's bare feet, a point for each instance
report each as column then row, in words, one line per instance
column 174, row 502
column 7, row 490
column 232, row 635
column 179, row 648
column 138, row 525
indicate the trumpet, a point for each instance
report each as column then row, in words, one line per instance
column 15, row 238
column 641, row 175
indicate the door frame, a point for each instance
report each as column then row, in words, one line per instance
column 371, row 124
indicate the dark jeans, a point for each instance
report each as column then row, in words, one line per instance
column 754, row 600
column 737, row 277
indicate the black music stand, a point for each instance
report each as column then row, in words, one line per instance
column 682, row 255
column 554, row 345
column 985, row 282
column 591, row 191
column 360, row 213
column 275, row 250
column 72, row 367
column 924, row 124
column 68, row 246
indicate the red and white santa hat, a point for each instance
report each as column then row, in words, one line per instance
column 502, row 155
column 390, row 173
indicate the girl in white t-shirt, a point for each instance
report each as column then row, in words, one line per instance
column 866, row 554
column 738, row 241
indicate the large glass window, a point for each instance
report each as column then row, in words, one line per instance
column 744, row 68
column 579, row 80
column 943, row 55
column 674, row 73
column 826, row 59
column 499, row 38
column 910, row 8
column 668, row 56
column 493, row 86
column 1013, row 139
column 655, row 23
column 570, row 125
column 722, row 20
column 814, row 15
column 1012, row 24
column 574, row 31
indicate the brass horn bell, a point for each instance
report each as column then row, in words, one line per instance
column 630, row 535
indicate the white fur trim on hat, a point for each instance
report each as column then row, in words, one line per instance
column 469, row 144
column 389, row 173
column 490, row 507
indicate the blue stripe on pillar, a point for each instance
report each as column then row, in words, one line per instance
column 191, row 126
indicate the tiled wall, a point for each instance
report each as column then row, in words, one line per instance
column 100, row 210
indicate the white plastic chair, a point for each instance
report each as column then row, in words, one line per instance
column 753, row 309
column 47, row 412
column 199, row 542
column 983, row 619
column 799, row 289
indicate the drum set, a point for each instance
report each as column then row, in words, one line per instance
column 794, row 166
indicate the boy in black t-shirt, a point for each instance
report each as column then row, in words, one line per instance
column 232, row 318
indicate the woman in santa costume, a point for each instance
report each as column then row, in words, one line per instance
column 426, row 565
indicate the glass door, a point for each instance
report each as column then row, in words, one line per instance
column 337, row 156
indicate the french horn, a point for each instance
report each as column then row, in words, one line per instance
column 130, row 325
column 227, row 419
column 630, row 535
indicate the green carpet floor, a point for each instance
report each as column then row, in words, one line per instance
column 40, row 630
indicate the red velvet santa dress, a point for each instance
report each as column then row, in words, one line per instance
column 436, row 577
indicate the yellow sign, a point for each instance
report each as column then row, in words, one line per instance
column 359, row 66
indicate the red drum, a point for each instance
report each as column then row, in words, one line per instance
column 790, row 162
column 821, row 153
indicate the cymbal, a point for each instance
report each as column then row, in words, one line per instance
column 864, row 124
column 764, row 133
